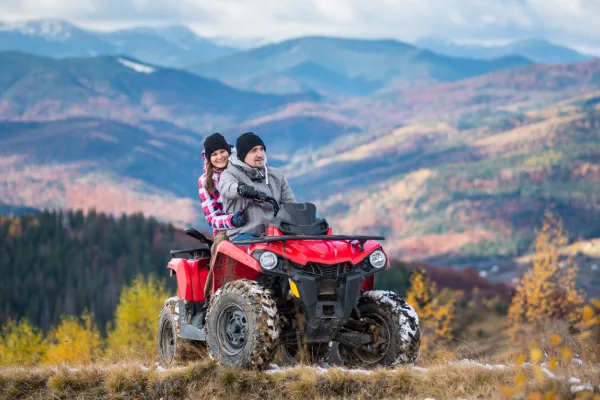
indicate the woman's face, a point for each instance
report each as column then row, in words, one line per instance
column 219, row 158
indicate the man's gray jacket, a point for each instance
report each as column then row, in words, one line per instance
column 268, row 180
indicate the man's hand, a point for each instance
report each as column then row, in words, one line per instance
column 239, row 219
column 249, row 192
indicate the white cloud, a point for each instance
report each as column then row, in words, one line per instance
column 564, row 21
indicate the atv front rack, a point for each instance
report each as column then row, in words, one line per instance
column 285, row 238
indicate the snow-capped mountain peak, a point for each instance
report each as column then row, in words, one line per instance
column 51, row 29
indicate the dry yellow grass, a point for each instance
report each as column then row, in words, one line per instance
column 205, row 380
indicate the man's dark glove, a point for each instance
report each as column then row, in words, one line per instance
column 249, row 192
column 239, row 219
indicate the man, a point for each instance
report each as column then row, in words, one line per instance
column 248, row 178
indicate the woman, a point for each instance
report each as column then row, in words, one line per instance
column 216, row 157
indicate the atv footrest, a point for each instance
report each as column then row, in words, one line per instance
column 190, row 332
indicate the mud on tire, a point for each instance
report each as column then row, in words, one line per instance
column 242, row 325
column 398, row 323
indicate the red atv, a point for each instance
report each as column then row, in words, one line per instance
column 298, row 289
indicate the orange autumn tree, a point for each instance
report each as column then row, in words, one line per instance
column 435, row 308
column 547, row 290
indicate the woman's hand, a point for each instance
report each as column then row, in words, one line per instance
column 239, row 219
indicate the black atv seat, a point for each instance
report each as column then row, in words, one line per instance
column 300, row 219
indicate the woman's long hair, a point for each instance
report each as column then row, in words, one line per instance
column 210, row 183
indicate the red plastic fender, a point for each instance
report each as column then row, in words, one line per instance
column 184, row 281
column 233, row 262
column 198, row 272
column 191, row 276
column 239, row 254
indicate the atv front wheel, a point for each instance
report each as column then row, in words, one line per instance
column 394, row 325
column 242, row 325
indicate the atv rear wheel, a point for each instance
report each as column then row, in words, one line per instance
column 167, row 336
column 242, row 325
column 395, row 328
column 171, row 348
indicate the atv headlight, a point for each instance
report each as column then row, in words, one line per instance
column 377, row 259
column 268, row 260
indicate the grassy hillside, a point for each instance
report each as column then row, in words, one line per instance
column 203, row 380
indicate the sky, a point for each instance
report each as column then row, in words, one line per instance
column 569, row 22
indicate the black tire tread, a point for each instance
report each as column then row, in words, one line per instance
column 265, row 339
column 407, row 331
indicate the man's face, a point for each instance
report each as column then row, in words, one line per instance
column 256, row 157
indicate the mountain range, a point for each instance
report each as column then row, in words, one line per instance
column 169, row 46
column 536, row 50
column 343, row 67
column 327, row 65
column 34, row 88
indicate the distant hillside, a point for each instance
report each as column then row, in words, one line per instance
column 111, row 166
column 288, row 135
column 171, row 46
column 342, row 66
column 498, row 93
column 33, row 87
column 537, row 50
column 464, row 195
column 150, row 166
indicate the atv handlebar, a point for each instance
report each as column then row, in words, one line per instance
column 272, row 202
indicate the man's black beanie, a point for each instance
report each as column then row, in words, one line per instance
column 215, row 142
column 245, row 143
